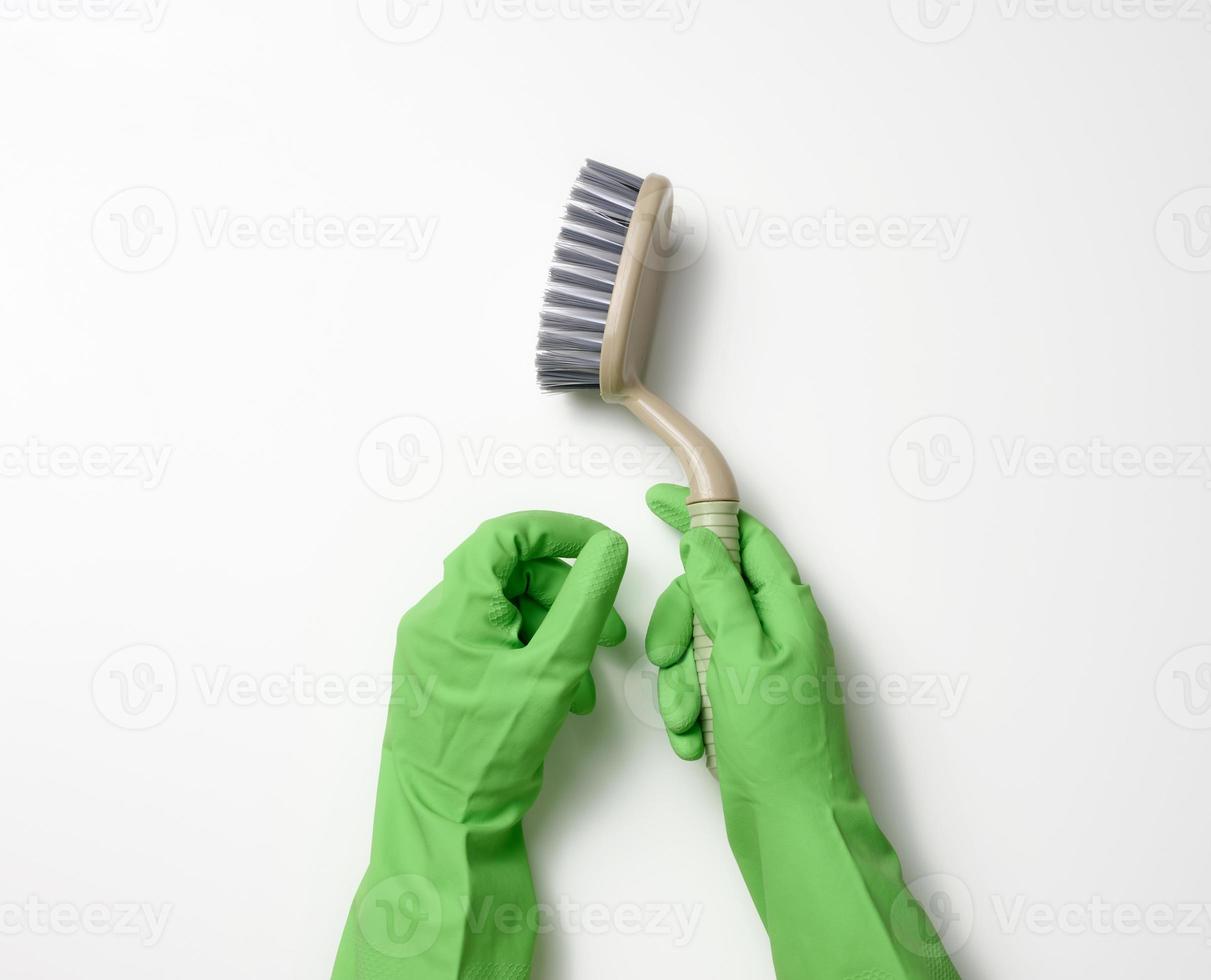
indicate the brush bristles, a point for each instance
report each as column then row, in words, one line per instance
column 578, row 293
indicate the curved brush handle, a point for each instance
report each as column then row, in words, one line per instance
column 713, row 502
column 721, row 516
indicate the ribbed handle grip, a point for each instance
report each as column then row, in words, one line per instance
column 721, row 516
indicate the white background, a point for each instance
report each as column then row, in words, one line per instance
column 1074, row 309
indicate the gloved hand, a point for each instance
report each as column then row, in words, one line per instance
column 825, row 880
column 487, row 667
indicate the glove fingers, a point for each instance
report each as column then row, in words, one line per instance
column 542, row 579
column 678, row 694
column 483, row 564
column 533, row 613
column 719, row 593
column 671, row 627
column 614, row 631
column 585, row 698
column 688, row 745
column 667, row 501
column 577, row 618
column 782, row 606
column 765, row 561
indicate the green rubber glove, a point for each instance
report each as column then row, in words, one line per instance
column 825, row 880
column 487, row 667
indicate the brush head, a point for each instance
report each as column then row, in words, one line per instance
column 601, row 307
column 588, row 254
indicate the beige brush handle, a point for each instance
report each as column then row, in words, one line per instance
column 626, row 340
column 721, row 516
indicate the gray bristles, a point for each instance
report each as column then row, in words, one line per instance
column 582, row 277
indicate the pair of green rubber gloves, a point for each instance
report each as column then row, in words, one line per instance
column 502, row 649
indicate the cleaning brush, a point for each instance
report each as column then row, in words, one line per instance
column 598, row 318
